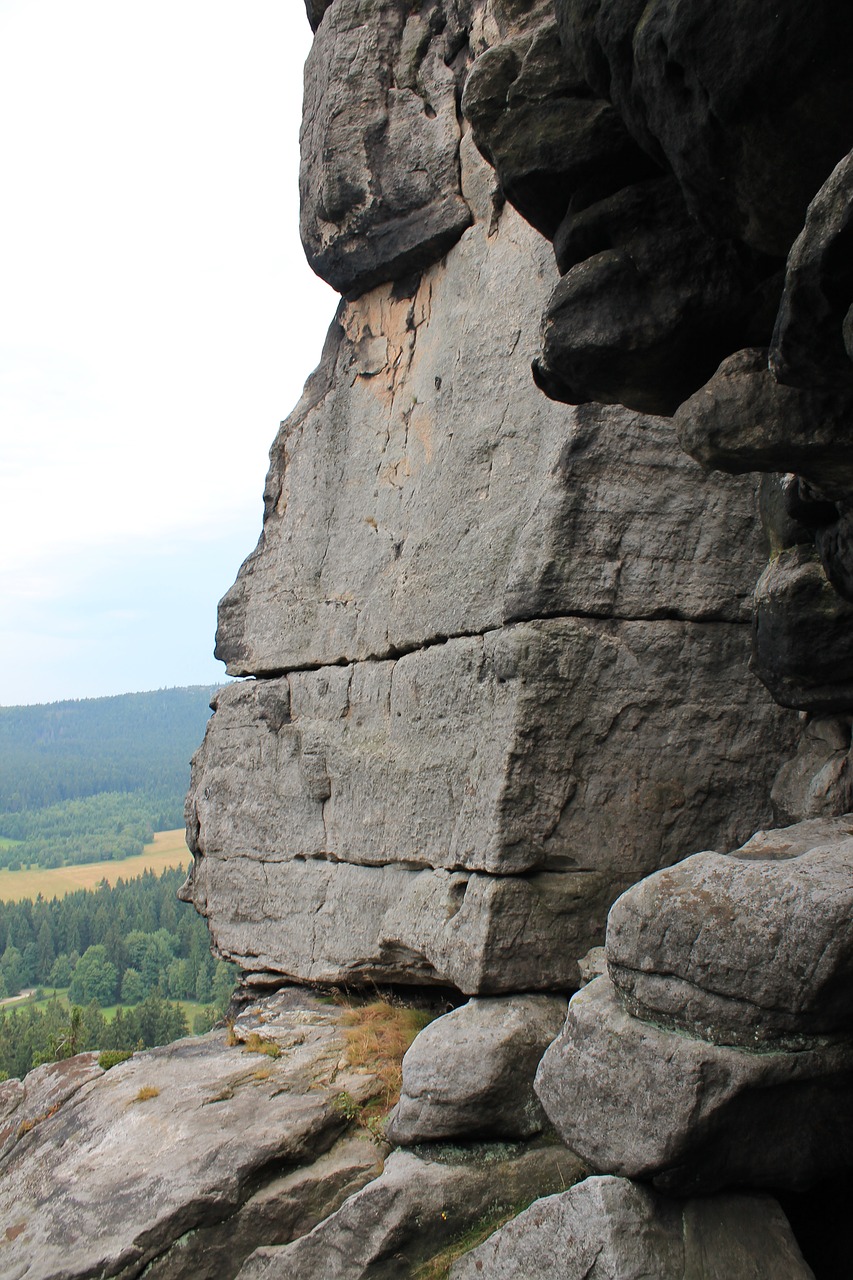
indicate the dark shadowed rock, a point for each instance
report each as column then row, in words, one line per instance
column 803, row 635
column 635, row 1099
column 808, row 348
column 552, row 144
column 818, row 780
column 750, row 106
column 613, row 1229
column 744, row 420
column 417, row 1205
column 648, row 305
column 379, row 180
column 471, row 1071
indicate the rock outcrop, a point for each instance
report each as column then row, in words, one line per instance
column 498, row 647
column 470, row 1073
column 718, row 1051
column 493, row 658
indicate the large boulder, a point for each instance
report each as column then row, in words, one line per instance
column 379, row 182
column 744, row 948
column 636, row 1099
column 470, row 1073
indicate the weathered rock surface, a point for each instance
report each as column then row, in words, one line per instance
column 340, row 791
column 336, row 922
column 612, row 1229
column 144, row 1165
column 396, row 515
column 471, row 1071
column 808, row 348
column 648, row 305
column 26, row 1103
column 749, row 106
column 412, row 1210
column 592, row 727
column 743, row 949
column 635, row 1099
column 286, row 1208
column 379, row 181
column 534, row 119
column 744, row 420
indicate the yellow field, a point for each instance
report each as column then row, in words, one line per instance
column 168, row 849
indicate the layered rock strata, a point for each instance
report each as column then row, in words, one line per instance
column 499, row 652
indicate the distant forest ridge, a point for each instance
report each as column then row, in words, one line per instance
column 93, row 779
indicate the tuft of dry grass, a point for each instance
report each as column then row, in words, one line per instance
column 146, row 1092
column 257, row 1044
column 378, row 1035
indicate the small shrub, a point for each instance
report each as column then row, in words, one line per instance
column 112, row 1057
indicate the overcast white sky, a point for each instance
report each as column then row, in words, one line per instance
column 157, row 320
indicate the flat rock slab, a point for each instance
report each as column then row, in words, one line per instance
column 168, row 1143
column 744, row 950
column 638, row 1100
column 613, row 1229
column 471, row 1071
column 415, row 1208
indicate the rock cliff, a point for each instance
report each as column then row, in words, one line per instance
column 548, row 624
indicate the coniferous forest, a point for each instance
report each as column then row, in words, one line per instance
column 132, row 944
column 93, row 779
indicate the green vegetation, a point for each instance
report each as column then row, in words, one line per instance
column 131, row 944
column 438, row 1267
column 94, row 779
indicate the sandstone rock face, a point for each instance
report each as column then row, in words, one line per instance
column 471, row 1071
column 410, row 1211
column 803, row 635
column 434, row 850
column 487, row 647
column 613, row 1229
column 635, row 1099
column 748, row 105
column 818, row 780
